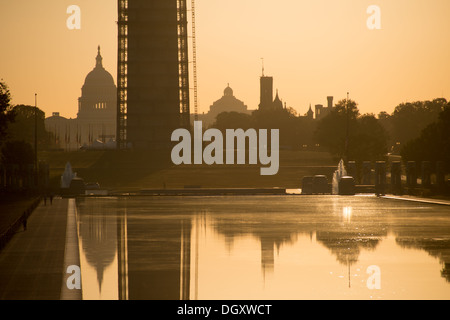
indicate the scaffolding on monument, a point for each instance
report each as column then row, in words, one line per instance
column 122, row 75
column 183, row 63
column 122, row 69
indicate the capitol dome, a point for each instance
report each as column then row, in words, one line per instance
column 98, row 101
column 228, row 91
column 98, row 78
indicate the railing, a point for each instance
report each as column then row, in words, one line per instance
column 6, row 236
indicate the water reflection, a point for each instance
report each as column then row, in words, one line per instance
column 99, row 243
column 262, row 247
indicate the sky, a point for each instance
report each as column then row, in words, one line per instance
column 312, row 48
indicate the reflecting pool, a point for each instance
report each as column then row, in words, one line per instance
column 263, row 247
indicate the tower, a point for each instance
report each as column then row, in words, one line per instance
column 153, row 79
column 266, row 90
column 277, row 104
column 319, row 111
column 330, row 102
column 310, row 113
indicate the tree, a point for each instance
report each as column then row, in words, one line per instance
column 285, row 120
column 348, row 134
column 331, row 132
column 370, row 140
column 409, row 119
column 23, row 128
column 6, row 113
column 433, row 144
column 232, row 120
column 18, row 152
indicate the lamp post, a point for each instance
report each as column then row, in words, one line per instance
column 348, row 129
column 35, row 141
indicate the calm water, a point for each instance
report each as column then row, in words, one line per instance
column 263, row 247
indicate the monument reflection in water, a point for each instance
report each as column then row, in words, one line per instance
column 276, row 247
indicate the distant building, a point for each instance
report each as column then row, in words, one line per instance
column 267, row 102
column 95, row 124
column 310, row 113
column 321, row 111
column 228, row 103
column 266, row 93
column 97, row 106
column 63, row 130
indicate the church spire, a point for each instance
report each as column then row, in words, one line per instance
column 99, row 59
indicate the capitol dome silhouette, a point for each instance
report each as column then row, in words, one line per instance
column 98, row 94
column 228, row 92
column 98, row 81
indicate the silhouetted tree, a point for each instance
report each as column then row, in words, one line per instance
column 384, row 119
column 293, row 129
column 6, row 113
column 370, row 139
column 409, row 119
column 18, row 152
column 433, row 144
column 285, row 120
column 232, row 120
column 23, row 128
column 304, row 132
column 331, row 132
column 366, row 136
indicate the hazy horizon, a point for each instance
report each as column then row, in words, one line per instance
column 312, row 49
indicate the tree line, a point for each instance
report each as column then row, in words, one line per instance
column 417, row 130
column 17, row 130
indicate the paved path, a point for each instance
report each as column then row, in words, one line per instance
column 12, row 209
column 31, row 264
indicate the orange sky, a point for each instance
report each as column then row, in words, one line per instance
column 312, row 49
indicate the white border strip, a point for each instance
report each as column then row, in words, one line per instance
column 71, row 255
column 422, row 200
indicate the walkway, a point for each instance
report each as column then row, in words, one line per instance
column 31, row 264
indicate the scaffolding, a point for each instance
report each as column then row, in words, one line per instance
column 194, row 60
column 133, row 39
column 122, row 75
column 183, row 63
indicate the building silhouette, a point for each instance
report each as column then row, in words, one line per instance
column 322, row 111
column 95, row 125
column 227, row 103
column 310, row 114
column 98, row 102
column 267, row 102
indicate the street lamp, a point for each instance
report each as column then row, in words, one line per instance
column 35, row 140
column 348, row 129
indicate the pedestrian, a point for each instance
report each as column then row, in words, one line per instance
column 51, row 198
